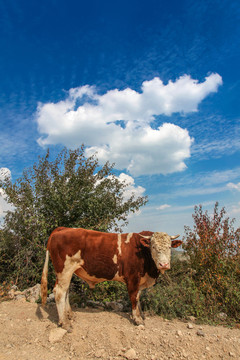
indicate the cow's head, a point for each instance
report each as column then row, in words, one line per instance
column 160, row 245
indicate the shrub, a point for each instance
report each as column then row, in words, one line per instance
column 175, row 295
column 104, row 292
column 214, row 250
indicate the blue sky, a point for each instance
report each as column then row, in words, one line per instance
column 150, row 85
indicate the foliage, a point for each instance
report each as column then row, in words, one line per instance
column 205, row 281
column 104, row 292
column 4, row 289
column 71, row 191
column 214, row 250
column 176, row 294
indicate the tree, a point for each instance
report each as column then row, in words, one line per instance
column 71, row 191
column 214, row 250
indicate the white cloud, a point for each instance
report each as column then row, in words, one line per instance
column 163, row 207
column 216, row 148
column 235, row 209
column 131, row 188
column 4, row 173
column 234, row 186
column 118, row 125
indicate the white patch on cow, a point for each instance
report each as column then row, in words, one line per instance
column 128, row 238
column 115, row 259
column 119, row 243
column 71, row 264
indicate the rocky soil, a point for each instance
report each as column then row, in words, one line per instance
column 29, row 332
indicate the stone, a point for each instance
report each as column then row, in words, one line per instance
column 154, row 357
column 56, row 335
column 33, row 294
column 178, row 333
column 20, row 297
column 114, row 305
column 222, row 316
column 192, row 318
column 130, row 354
column 95, row 304
column 184, row 353
column 11, row 293
column 190, row 326
column 200, row 333
column 100, row 354
column 50, row 298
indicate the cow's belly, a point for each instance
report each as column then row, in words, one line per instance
column 93, row 280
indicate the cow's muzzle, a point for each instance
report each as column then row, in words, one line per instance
column 164, row 267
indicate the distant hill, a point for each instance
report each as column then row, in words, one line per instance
column 179, row 255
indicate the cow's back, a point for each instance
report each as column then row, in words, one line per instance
column 96, row 250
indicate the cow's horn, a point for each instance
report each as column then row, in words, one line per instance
column 145, row 237
column 174, row 237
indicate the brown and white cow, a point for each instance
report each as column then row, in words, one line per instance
column 135, row 259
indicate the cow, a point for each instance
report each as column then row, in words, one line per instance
column 135, row 259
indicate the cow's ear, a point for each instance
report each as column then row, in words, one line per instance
column 176, row 243
column 145, row 240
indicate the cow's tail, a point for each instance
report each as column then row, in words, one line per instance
column 44, row 280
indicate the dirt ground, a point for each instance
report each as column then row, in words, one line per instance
column 28, row 332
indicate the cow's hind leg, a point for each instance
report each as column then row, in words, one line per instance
column 68, row 307
column 71, row 264
column 60, row 292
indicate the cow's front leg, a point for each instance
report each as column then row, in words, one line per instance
column 139, row 305
column 134, row 294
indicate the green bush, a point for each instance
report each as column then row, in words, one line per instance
column 175, row 295
column 104, row 292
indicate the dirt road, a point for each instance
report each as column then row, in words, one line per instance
column 30, row 333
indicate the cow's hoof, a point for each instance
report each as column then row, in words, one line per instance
column 138, row 321
column 143, row 316
column 70, row 315
column 66, row 326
